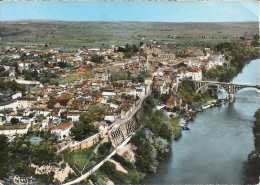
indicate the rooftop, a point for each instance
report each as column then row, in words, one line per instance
column 63, row 126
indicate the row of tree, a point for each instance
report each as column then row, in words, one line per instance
column 253, row 161
column 12, row 86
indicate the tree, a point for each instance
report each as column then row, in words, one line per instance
column 27, row 75
column 62, row 64
column 15, row 121
column 255, row 41
column 97, row 59
column 84, row 127
column 5, row 73
column 3, row 156
column 181, row 65
column 2, row 69
column 104, row 148
column 43, row 153
column 78, row 130
column 34, row 74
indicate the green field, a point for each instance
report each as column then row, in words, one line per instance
column 103, row 34
column 78, row 158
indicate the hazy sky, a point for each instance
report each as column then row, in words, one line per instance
column 206, row 11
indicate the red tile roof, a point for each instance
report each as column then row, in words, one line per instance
column 194, row 70
column 63, row 126
column 81, row 69
column 12, row 127
column 170, row 100
column 76, row 103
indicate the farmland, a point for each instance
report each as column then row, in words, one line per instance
column 103, row 34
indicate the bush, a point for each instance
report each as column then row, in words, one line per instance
column 104, row 148
column 117, row 177
column 15, row 121
column 97, row 59
column 124, row 162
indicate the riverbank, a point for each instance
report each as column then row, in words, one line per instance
column 252, row 169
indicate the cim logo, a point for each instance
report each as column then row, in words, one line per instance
column 23, row 180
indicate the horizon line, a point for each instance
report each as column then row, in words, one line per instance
column 60, row 20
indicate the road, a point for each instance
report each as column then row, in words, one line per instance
column 121, row 145
column 84, row 176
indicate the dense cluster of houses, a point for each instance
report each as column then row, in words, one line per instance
column 57, row 107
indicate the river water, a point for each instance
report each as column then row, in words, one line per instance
column 218, row 143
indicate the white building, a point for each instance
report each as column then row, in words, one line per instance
column 25, row 102
column 140, row 91
column 14, row 129
column 74, row 116
column 62, row 130
column 194, row 74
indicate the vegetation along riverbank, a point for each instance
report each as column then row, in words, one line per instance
column 252, row 170
column 240, row 56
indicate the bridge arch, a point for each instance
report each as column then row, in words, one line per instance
column 255, row 88
column 209, row 84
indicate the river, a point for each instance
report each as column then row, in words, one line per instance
column 218, row 143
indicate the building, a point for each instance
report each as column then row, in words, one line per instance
column 62, row 130
column 13, row 129
column 194, row 74
column 166, row 55
column 74, row 116
column 24, row 102
column 170, row 103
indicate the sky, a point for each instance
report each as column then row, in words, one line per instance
column 151, row 11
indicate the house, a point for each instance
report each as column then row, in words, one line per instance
column 54, row 117
column 125, row 110
column 17, row 95
column 170, row 103
column 1, row 119
column 140, row 91
column 194, row 74
column 44, row 123
column 108, row 93
column 80, row 69
column 110, row 117
column 74, row 116
column 14, row 129
column 75, row 104
column 102, row 75
column 167, row 55
column 24, row 102
column 62, row 130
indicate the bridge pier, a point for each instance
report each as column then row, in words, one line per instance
column 231, row 97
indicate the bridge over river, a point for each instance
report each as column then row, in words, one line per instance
column 230, row 88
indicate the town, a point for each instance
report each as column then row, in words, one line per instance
column 92, row 98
